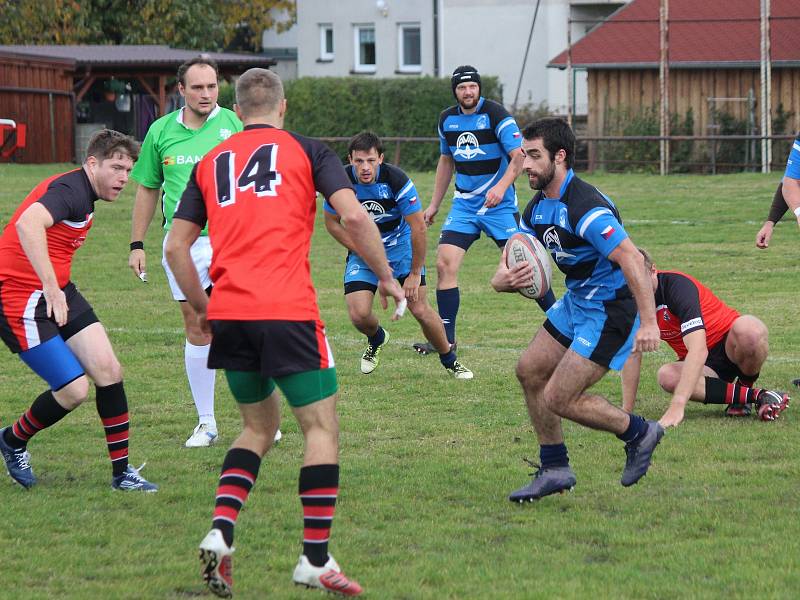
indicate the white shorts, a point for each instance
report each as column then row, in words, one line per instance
column 201, row 255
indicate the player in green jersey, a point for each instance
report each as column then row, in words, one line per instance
column 172, row 146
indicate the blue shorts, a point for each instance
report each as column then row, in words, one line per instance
column 498, row 224
column 358, row 275
column 601, row 331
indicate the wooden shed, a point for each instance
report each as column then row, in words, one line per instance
column 37, row 92
column 57, row 91
column 714, row 56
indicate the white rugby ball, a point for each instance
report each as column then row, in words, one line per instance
column 525, row 247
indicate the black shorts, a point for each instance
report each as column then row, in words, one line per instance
column 24, row 323
column 273, row 348
column 723, row 366
column 358, row 286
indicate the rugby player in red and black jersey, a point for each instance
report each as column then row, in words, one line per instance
column 45, row 319
column 720, row 352
column 257, row 192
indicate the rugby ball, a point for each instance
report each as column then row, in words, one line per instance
column 525, row 247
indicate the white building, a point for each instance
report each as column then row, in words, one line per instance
column 407, row 38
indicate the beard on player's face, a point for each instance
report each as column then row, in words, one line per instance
column 539, row 181
column 468, row 103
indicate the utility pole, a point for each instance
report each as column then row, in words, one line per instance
column 663, row 81
column 766, row 90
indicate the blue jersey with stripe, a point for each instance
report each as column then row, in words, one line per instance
column 388, row 199
column 580, row 229
column 479, row 144
column 793, row 164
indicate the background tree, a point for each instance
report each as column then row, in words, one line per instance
column 200, row 24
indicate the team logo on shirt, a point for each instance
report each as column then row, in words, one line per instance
column 553, row 244
column 467, row 146
column 482, row 122
column 224, row 134
column 375, row 209
column 384, row 191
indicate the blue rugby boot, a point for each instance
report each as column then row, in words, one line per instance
column 18, row 463
column 639, row 452
column 130, row 480
column 552, row 480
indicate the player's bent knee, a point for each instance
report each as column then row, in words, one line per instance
column 749, row 330
column 73, row 394
column 360, row 318
column 529, row 378
column 667, row 378
column 554, row 404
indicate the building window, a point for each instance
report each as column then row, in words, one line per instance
column 409, row 48
column 364, row 48
column 326, row 41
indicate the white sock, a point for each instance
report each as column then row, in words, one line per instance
column 201, row 381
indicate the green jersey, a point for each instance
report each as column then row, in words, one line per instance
column 170, row 150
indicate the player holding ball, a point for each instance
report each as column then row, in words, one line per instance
column 593, row 327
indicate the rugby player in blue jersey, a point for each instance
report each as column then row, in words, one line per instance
column 387, row 194
column 594, row 326
column 480, row 142
column 787, row 197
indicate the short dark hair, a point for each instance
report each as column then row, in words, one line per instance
column 556, row 135
column 203, row 59
column 364, row 142
column 107, row 142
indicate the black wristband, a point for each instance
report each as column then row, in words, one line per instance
column 137, row 245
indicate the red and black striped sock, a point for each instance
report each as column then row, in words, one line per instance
column 319, row 487
column 722, row 392
column 239, row 474
column 112, row 406
column 43, row 413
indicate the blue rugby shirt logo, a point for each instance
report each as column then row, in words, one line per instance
column 467, row 146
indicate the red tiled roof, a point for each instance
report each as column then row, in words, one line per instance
column 702, row 33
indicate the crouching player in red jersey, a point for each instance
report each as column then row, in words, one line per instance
column 257, row 191
column 46, row 320
column 720, row 352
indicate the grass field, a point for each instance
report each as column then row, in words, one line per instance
column 427, row 462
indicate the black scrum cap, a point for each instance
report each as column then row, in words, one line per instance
column 463, row 74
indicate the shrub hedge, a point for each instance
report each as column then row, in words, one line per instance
column 343, row 106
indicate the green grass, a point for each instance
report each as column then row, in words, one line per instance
column 427, row 462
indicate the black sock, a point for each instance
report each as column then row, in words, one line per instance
column 553, row 455
column 448, row 360
column 448, row 302
column 722, row 392
column 636, row 428
column 44, row 412
column 112, row 406
column 318, row 488
column 237, row 478
column 377, row 338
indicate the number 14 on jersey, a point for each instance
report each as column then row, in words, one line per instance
column 259, row 173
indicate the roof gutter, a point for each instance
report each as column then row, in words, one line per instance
column 677, row 65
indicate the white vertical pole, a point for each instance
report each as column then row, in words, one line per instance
column 570, row 91
column 766, row 90
column 663, row 80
